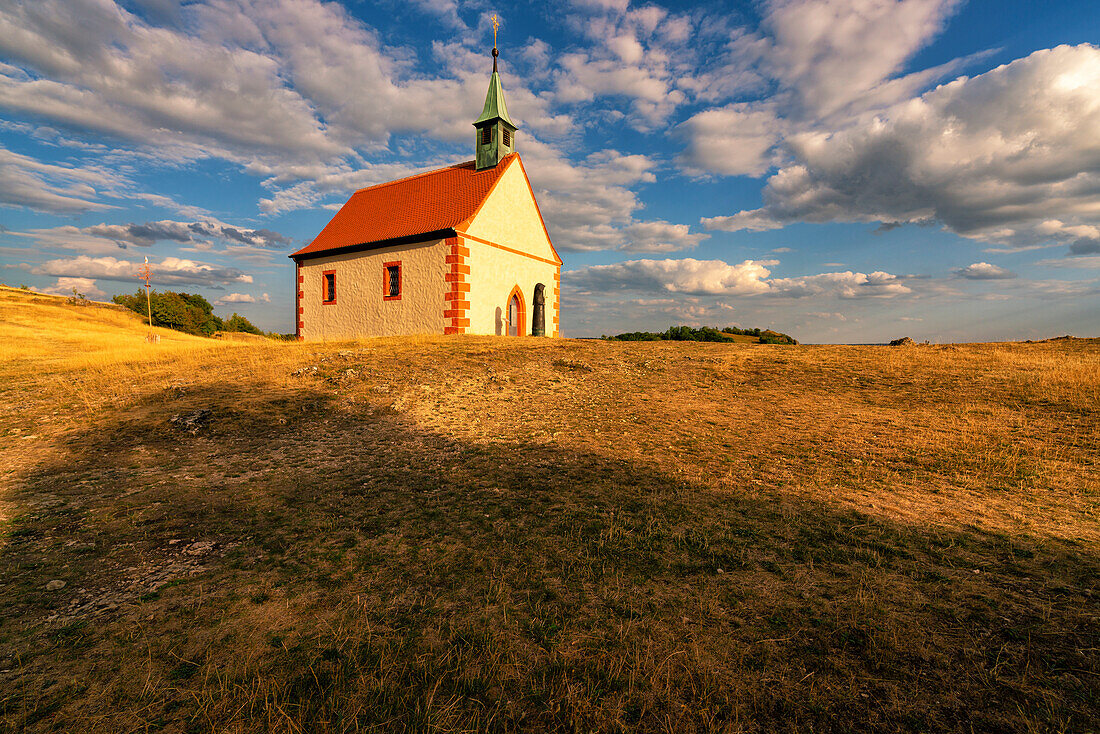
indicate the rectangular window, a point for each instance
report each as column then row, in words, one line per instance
column 328, row 286
column 506, row 137
column 486, row 135
column 391, row 281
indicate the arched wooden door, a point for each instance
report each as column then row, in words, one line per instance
column 517, row 314
column 513, row 316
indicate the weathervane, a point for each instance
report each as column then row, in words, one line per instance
column 496, row 24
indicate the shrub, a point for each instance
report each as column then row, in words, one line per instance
column 774, row 337
column 704, row 334
column 77, row 299
column 186, row 312
column 239, row 323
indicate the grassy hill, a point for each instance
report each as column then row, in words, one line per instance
column 445, row 534
column 50, row 330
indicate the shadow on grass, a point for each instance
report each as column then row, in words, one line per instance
column 303, row 565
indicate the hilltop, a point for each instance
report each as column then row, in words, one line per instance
column 530, row 534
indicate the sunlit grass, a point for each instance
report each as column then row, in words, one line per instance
column 473, row 534
column 49, row 333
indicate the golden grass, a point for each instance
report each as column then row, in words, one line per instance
column 448, row 534
column 48, row 333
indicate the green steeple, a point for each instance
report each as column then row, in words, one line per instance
column 495, row 133
column 494, row 101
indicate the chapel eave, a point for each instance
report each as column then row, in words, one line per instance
column 413, row 239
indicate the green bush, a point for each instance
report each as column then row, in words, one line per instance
column 703, row 334
column 186, row 312
column 773, row 337
column 239, row 323
column 741, row 332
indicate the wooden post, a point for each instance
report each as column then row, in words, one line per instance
column 145, row 273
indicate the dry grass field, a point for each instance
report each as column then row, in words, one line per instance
column 477, row 534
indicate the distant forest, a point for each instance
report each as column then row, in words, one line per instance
column 186, row 312
column 704, row 334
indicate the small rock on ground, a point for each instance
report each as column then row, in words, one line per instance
column 191, row 422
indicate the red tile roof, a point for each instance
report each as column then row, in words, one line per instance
column 428, row 202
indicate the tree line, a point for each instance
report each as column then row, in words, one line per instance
column 186, row 312
column 704, row 334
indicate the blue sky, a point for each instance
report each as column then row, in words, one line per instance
column 842, row 170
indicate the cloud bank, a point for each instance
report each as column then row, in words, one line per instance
column 1010, row 157
column 169, row 271
column 716, row 277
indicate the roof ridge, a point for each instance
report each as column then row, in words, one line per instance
column 415, row 175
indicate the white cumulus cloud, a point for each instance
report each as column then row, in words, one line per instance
column 716, row 277
column 82, row 286
column 1011, row 157
column 734, row 140
column 53, row 188
column 685, row 275
column 235, row 298
column 985, row 271
column 832, row 53
column 843, row 285
column 169, row 271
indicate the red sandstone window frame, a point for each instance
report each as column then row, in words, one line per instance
column 386, row 280
column 324, row 287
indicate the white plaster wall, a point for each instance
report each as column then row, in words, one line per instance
column 510, row 216
column 493, row 274
column 359, row 309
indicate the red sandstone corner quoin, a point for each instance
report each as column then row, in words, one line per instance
column 299, row 280
column 456, row 304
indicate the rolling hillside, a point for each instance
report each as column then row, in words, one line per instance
column 50, row 331
column 476, row 534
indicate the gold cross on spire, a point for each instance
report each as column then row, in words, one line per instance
column 496, row 24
